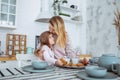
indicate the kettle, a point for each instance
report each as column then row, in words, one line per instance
column 106, row 60
column 29, row 50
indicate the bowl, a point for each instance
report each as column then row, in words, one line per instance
column 96, row 71
column 91, row 67
column 39, row 64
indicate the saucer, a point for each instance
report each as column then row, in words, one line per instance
column 29, row 68
column 109, row 76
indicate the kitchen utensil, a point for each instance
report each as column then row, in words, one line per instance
column 30, row 50
column 29, row 68
column 36, row 64
column 68, row 60
column 95, row 71
column 83, row 75
column 116, row 68
column 106, row 60
column 75, row 60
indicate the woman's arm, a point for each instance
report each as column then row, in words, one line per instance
column 68, row 48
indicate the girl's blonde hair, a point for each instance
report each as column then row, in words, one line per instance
column 59, row 28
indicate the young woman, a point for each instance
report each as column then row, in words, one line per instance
column 62, row 45
column 46, row 45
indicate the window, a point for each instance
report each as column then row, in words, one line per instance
column 7, row 12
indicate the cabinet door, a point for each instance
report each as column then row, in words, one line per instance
column 8, row 14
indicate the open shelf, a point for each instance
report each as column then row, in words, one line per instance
column 69, row 9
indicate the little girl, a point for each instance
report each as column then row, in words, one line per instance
column 46, row 44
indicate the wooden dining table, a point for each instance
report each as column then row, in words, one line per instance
column 57, row 74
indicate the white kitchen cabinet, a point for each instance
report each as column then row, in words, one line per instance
column 8, row 14
column 75, row 14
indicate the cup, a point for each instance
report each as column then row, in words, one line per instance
column 22, row 42
column 10, row 52
column 11, row 37
column 75, row 60
column 10, row 42
column 116, row 68
column 94, row 60
column 68, row 60
column 16, row 42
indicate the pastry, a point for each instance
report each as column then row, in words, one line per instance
column 63, row 61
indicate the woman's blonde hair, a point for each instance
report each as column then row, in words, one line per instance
column 59, row 28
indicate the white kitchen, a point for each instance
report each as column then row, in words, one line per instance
column 92, row 25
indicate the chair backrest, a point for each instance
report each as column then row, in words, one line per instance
column 25, row 59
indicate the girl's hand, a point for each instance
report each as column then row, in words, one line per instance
column 59, row 63
column 39, row 53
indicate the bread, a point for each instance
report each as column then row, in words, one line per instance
column 63, row 61
column 85, row 61
column 79, row 64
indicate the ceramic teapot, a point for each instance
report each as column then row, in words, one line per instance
column 106, row 60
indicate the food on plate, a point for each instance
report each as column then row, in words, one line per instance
column 63, row 61
column 71, row 64
column 74, row 65
column 79, row 64
column 84, row 61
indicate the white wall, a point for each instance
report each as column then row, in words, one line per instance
column 27, row 11
column 3, row 38
column 102, row 36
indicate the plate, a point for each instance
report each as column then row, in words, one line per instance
column 109, row 76
column 29, row 68
column 73, row 67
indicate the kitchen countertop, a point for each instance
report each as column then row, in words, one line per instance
column 7, row 57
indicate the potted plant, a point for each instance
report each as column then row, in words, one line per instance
column 56, row 5
column 117, row 23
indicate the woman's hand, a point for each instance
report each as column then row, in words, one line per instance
column 58, row 63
